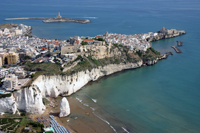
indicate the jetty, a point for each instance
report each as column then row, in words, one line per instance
column 176, row 49
column 179, row 43
column 23, row 18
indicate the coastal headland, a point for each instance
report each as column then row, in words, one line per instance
column 79, row 62
column 56, row 19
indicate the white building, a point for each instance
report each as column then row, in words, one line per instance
column 10, row 82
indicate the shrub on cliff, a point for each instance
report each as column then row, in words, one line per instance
column 154, row 51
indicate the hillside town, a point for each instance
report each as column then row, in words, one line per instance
column 17, row 46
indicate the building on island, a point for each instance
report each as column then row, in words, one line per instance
column 10, row 82
column 59, row 15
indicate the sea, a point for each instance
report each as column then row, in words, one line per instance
column 163, row 98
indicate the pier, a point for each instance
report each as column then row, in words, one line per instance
column 176, row 49
column 179, row 43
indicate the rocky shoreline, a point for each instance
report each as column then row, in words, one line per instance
column 52, row 20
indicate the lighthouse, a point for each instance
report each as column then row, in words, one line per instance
column 59, row 15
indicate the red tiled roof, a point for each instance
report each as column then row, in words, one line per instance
column 77, row 41
column 44, row 48
column 88, row 40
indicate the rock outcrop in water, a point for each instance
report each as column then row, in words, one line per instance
column 64, row 108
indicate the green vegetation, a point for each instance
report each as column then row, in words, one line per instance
column 150, row 54
column 116, row 44
column 154, row 51
column 99, row 39
column 45, row 101
column 32, row 75
column 78, row 58
column 47, row 68
column 36, row 126
column 84, row 43
column 120, row 45
column 139, row 53
column 27, row 57
column 9, row 124
column 30, row 36
column 42, row 69
column 5, row 95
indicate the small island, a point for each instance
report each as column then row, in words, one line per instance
column 60, row 19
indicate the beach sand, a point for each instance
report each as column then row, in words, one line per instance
column 80, row 120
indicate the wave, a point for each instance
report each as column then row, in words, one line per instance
column 79, row 99
column 105, row 122
column 92, row 108
column 125, row 130
column 91, row 17
column 94, row 100
column 86, row 105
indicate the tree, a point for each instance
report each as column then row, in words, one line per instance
column 32, row 75
column 84, row 43
column 27, row 57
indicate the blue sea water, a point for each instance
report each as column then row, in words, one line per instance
column 155, row 99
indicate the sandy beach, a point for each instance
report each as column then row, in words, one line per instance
column 81, row 119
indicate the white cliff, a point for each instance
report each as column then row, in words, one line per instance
column 8, row 105
column 30, row 100
column 64, row 108
column 55, row 85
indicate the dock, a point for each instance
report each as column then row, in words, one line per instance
column 179, row 43
column 176, row 49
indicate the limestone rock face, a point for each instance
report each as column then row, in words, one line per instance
column 30, row 100
column 55, row 85
column 8, row 105
column 64, row 108
column 151, row 62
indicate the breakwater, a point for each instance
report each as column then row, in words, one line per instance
column 176, row 49
column 179, row 43
column 22, row 18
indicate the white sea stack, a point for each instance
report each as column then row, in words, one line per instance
column 64, row 108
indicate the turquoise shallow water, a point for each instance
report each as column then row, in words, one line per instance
column 160, row 98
